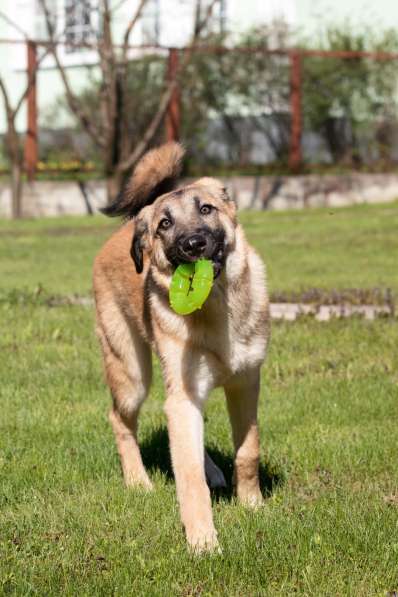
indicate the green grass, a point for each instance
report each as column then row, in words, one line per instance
column 337, row 248
column 329, row 411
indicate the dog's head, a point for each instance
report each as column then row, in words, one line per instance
column 196, row 221
column 175, row 226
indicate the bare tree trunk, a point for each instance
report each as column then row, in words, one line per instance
column 12, row 146
column 16, row 165
column 16, row 190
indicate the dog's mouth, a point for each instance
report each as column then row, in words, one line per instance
column 212, row 249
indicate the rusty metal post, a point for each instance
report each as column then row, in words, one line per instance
column 31, row 141
column 295, row 154
column 173, row 114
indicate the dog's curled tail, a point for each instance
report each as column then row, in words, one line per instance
column 156, row 173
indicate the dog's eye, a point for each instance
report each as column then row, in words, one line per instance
column 206, row 209
column 164, row 224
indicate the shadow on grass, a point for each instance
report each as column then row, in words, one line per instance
column 156, row 457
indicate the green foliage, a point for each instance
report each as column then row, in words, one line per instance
column 228, row 94
column 350, row 103
column 231, row 96
column 350, row 100
column 145, row 83
column 329, row 406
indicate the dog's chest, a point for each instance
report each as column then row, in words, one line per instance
column 246, row 354
column 238, row 343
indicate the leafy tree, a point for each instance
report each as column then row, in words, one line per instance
column 244, row 88
column 233, row 90
column 343, row 98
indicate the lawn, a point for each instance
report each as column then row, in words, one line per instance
column 332, row 248
column 329, row 412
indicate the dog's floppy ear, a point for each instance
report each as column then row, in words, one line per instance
column 155, row 174
column 141, row 240
column 138, row 245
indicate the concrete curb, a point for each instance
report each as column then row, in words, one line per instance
column 291, row 311
column 285, row 311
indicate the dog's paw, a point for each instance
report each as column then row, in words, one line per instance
column 252, row 500
column 201, row 543
column 141, row 482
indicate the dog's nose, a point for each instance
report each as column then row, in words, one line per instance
column 194, row 245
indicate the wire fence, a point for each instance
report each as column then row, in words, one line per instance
column 239, row 108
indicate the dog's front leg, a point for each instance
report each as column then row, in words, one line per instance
column 185, row 425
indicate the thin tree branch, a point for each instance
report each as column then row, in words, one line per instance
column 5, row 97
column 31, row 79
column 150, row 132
column 156, row 121
column 74, row 104
column 105, row 46
column 130, row 27
column 108, row 69
column 11, row 134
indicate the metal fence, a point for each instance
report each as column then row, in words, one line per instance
column 315, row 105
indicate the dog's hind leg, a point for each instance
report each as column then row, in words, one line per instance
column 128, row 369
column 242, row 401
column 214, row 475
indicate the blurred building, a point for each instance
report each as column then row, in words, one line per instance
column 164, row 23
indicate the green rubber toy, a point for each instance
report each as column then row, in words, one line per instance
column 190, row 286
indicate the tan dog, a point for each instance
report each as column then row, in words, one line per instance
column 223, row 344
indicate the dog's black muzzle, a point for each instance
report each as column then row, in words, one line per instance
column 193, row 247
column 202, row 244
